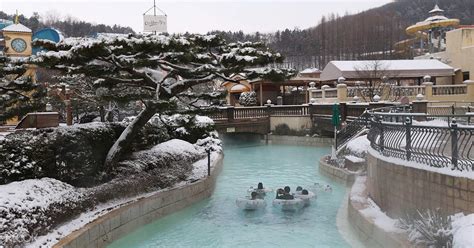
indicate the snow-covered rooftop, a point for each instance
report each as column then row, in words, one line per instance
column 310, row 70
column 239, row 88
column 17, row 28
column 391, row 68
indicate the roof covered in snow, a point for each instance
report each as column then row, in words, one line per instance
column 390, row 68
column 17, row 28
column 310, row 70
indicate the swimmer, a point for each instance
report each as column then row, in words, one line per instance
column 328, row 188
column 253, row 196
column 304, row 192
column 298, row 189
column 279, row 194
column 287, row 189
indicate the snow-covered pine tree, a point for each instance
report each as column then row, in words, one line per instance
column 160, row 70
column 18, row 93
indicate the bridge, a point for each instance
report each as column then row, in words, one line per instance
column 264, row 119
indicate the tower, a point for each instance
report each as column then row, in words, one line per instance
column 17, row 40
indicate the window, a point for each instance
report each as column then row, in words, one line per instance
column 465, row 76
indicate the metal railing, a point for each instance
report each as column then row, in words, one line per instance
column 437, row 144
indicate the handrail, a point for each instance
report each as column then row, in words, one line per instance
column 396, row 135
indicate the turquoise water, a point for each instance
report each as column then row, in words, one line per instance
column 217, row 222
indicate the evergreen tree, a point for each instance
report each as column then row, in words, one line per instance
column 18, row 93
column 160, row 70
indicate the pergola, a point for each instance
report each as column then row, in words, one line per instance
column 267, row 89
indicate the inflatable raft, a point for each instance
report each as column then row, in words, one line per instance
column 248, row 204
column 289, row 205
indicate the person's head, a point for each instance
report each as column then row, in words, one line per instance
column 280, row 191
column 299, row 188
column 304, row 192
column 260, row 186
column 287, row 189
column 253, row 195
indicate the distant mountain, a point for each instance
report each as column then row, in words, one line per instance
column 370, row 34
column 69, row 27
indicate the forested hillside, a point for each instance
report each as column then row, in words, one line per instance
column 69, row 26
column 367, row 35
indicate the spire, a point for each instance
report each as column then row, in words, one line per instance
column 16, row 17
column 436, row 10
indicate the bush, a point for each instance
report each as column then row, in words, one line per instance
column 430, row 228
column 76, row 154
column 248, row 98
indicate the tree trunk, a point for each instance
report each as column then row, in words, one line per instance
column 122, row 144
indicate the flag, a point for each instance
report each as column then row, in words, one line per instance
column 336, row 116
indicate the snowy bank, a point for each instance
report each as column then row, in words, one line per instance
column 29, row 207
column 463, row 230
column 48, row 240
column 371, row 210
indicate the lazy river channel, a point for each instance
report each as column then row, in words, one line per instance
column 217, row 222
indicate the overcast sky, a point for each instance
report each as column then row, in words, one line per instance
column 198, row 15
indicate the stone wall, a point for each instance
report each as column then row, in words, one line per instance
column 124, row 220
column 297, row 140
column 397, row 188
column 297, row 123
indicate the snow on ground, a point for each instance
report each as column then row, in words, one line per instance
column 463, row 230
column 358, row 188
column 359, row 145
column 372, row 211
column 413, row 164
column 199, row 171
column 354, row 159
column 380, row 218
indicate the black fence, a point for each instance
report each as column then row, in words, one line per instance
column 437, row 141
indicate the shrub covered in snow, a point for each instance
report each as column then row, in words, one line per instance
column 76, row 154
column 30, row 207
column 164, row 155
column 358, row 146
column 248, row 98
column 428, row 227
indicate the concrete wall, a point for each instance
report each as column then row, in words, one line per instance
column 396, row 189
column 294, row 122
column 337, row 174
column 124, row 220
column 367, row 231
column 297, row 140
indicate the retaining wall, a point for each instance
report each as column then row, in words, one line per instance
column 298, row 140
column 397, row 188
column 337, row 174
column 294, row 122
column 368, row 232
column 124, row 220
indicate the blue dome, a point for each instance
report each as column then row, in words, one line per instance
column 46, row 34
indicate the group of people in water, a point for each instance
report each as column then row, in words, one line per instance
column 284, row 199
column 284, row 194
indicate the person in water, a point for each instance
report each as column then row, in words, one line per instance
column 304, row 192
column 279, row 194
column 253, row 195
column 286, row 195
column 299, row 189
column 260, row 191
